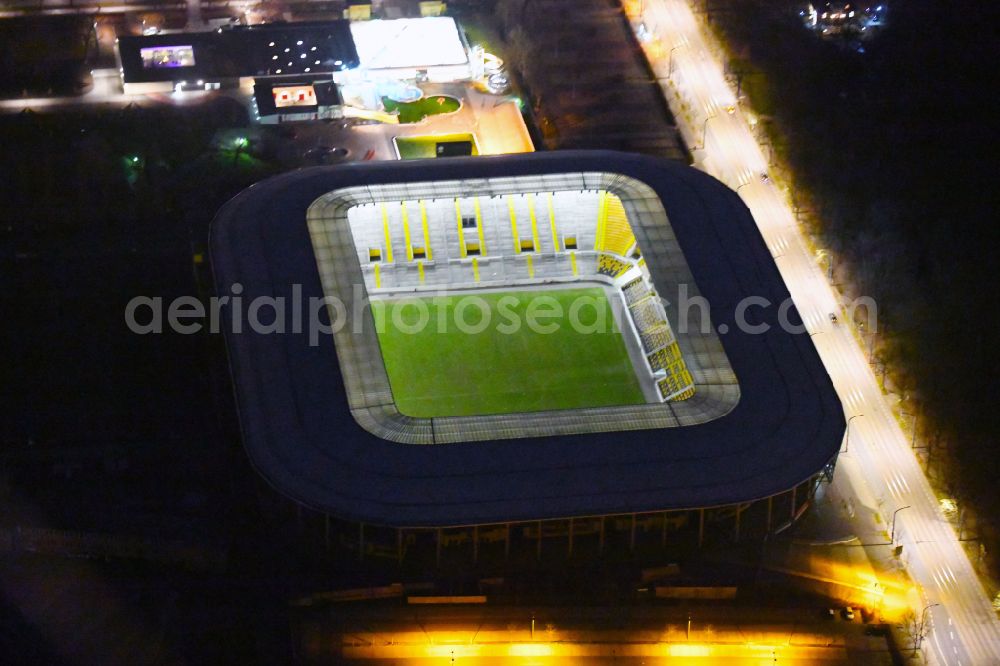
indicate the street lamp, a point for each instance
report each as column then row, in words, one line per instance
column 670, row 60
column 847, row 441
column 920, row 629
column 892, row 535
column 704, row 132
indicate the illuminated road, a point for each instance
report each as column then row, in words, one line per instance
column 964, row 628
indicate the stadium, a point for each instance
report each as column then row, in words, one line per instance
column 519, row 349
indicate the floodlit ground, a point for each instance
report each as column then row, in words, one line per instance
column 414, row 112
column 425, row 147
column 454, row 365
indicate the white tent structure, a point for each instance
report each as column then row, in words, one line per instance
column 412, row 48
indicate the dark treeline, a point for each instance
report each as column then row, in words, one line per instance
column 97, row 207
column 45, row 54
column 111, row 433
column 584, row 74
column 892, row 157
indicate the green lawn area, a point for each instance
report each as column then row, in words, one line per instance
column 424, row 147
column 414, row 112
column 496, row 371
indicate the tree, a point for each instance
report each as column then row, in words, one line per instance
column 523, row 56
column 916, row 628
column 507, row 13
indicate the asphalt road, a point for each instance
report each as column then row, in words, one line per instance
column 963, row 626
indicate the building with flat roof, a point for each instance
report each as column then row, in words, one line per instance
column 695, row 408
column 430, row 48
column 304, row 98
column 425, row 49
column 227, row 56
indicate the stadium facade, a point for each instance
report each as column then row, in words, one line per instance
column 734, row 420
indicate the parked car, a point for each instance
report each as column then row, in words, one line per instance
column 848, row 613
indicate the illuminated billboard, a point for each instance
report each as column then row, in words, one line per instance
column 302, row 95
column 167, row 57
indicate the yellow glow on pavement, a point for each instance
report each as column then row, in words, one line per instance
column 688, row 650
column 531, row 650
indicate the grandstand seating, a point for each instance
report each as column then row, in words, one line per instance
column 441, row 230
column 611, row 266
column 635, row 290
column 645, row 312
column 664, row 357
column 616, row 233
column 442, row 242
column 656, row 336
column 674, row 385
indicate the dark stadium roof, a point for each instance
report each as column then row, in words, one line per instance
column 300, row 435
column 258, row 50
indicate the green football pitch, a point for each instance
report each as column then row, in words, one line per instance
column 478, row 354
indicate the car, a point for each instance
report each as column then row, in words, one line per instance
column 848, row 613
column 326, row 154
column 833, row 317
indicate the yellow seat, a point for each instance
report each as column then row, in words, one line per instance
column 616, row 233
